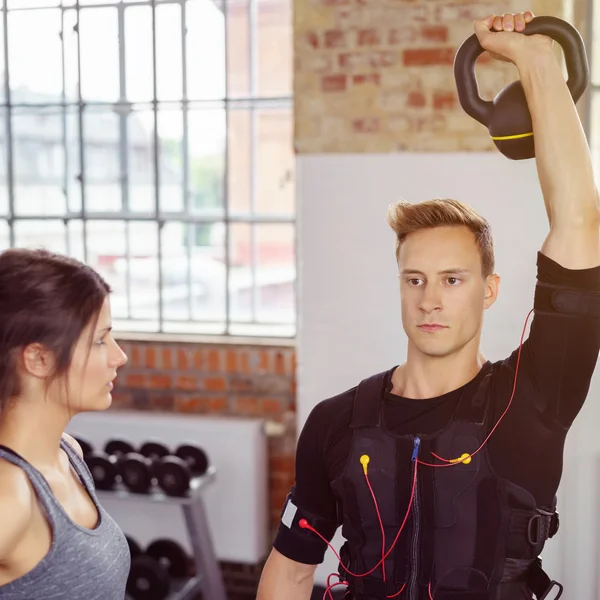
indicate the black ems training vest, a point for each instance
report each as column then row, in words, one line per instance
column 470, row 535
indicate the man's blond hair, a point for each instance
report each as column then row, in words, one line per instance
column 405, row 218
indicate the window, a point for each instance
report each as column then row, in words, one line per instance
column 153, row 140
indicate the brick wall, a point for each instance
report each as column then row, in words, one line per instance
column 377, row 76
column 213, row 379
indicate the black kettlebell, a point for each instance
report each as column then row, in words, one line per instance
column 507, row 117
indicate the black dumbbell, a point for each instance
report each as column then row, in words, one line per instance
column 155, row 452
column 118, row 448
column 132, row 467
column 103, row 469
column 86, row 447
column 195, row 458
column 171, row 556
column 136, row 473
column 173, row 476
column 135, row 549
column 104, row 466
column 148, row 579
column 174, row 473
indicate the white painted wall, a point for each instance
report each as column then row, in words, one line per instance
column 349, row 317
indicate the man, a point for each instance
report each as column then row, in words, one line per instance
column 446, row 467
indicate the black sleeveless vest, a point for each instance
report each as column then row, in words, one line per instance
column 470, row 534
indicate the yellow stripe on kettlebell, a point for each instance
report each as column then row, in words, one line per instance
column 512, row 137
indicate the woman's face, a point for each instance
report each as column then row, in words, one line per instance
column 93, row 368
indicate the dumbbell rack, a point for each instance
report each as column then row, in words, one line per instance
column 208, row 578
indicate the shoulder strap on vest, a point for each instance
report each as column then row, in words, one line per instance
column 472, row 408
column 367, row 401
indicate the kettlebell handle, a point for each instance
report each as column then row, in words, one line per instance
column 559, row 30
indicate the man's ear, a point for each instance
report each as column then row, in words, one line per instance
column 492, row 287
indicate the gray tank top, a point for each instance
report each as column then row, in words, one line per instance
column 82, row 564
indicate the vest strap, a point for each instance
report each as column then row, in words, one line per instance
column 473, row 408
column 367, row 401
column 541, row 585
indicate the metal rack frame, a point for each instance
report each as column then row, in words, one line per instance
column 208, row 578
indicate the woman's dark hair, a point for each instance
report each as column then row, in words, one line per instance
column 45, row 298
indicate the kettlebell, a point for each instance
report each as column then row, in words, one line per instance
column 507, row 117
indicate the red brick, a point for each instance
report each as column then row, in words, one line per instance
column 313, row 39
column 186, row 383
column 368, row 37
column 435, row 33
column 277, row 498
column 183, row 360
column 230, row 361
column 136, row 357
column 136, row 380
column 282, row 464
column 416, row 99
column 248, row 406
column 241, row 384
column 279, row 363
column 215, row 384
column 264, row 362
column 190, row 404
column 151, row 357
column 333, row 83
column 162, row 403
column 198, row 360
column 374, row 78
column 167, row 362
column 366, row 125
column 245, row 360
column 335, row 38
column 272, row 406
column 217, row 405
column 160, row 382
column 121, row 399
column 443, row 100
column 214, row 361
column 421, row 57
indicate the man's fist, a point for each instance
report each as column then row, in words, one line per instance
column 501, row 36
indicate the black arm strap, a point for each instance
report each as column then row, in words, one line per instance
column 566, row 301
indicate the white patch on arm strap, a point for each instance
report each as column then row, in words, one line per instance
column 288, row 515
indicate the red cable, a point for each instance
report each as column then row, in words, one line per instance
column 381, row 525
column 303, row 523
column 454, row 463
column 398, row 593
column 328, row 590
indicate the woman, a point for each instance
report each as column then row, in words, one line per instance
column 57, row 358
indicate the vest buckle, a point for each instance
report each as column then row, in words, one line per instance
column 550, row 588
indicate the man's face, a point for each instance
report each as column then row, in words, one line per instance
column 442, row 289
